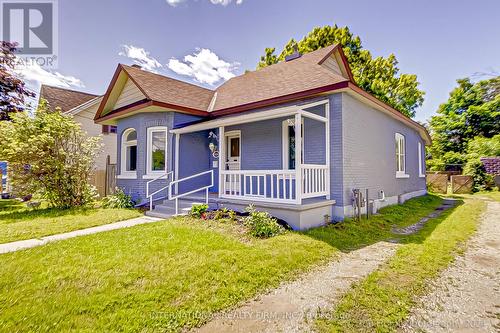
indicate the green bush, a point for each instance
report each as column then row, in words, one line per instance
column 118, row 200
column 477, row 148
column 261, row 224
column 49, row 155
column 198, row 210
column 482, row 180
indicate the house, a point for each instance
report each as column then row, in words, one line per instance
column 239, row 144
column 83, row 107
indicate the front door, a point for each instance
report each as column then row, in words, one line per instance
column 233, row 152
column 233, row 161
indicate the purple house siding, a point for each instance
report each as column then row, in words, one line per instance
column 194, row 158
column 368, row 143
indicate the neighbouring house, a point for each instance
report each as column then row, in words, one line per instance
column 83, row 107
column 294, row 139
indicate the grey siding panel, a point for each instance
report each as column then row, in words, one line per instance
column 369, row 152
column 336, row 150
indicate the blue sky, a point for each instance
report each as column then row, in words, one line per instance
column 440, row 41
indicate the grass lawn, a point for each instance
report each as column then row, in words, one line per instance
column 18, row 222
column 382, row 301
column 169, row 275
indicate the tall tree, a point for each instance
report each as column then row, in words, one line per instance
column 473, row 109
column 12, row 89
column 379, row 76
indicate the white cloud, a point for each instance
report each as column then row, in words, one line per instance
column 225, row 2
column 36, row 75
column 140, row 57
column 174, row 3
column 204, row 66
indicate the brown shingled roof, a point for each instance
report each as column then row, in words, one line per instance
column 65, row 99
column 284, row 78
column 164, row 89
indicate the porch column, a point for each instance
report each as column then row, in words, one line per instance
column 222, row 159
column 177, row 159
column 298, row 158
column 327, row 149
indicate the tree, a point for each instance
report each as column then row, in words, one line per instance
column 12, row 89
column 473, row 109
column 379, row 76
column 49, row 154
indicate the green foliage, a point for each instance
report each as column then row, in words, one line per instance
column 477, row 148
column 49, row 154
column 472, row 110
column 483, row 147
column 118, row 200
column 198, row 210
column 379, row 76
column 261, row 224
column 13, row 91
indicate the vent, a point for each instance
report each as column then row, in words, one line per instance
column 136, row 66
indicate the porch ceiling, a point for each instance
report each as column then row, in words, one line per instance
column 252, row 117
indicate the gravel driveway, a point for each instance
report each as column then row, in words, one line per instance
column 293, row 306
column 466, row 297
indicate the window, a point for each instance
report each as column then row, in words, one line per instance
column 157, row 149
column 400, row 156
column 128, row 163
column 288, row 132
column 106, row 129
column 421, row 160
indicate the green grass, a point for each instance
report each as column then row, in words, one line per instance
column 18, row 222
column 382, row 301
column 167, row 276
column 351, row 235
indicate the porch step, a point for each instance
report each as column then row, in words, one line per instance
column 167, row 208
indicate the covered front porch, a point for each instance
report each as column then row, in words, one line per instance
column 258, row 157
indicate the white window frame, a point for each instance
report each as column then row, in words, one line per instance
column 149, row 152
column 400, row 141
column 284, row 139
column 421, row 159
column 124, row 173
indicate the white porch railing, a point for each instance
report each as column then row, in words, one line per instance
column 177, row 196
column 274, row 185
column 150, row 195
column 314, row 180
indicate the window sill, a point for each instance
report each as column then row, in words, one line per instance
column 127, row 176
column 153, row 176
column 401, row 175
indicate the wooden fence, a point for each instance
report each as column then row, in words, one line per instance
column 105, row 180
column 461, row 184
column 437, row 182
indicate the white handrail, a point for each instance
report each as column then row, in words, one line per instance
column 176, row 197
column 150, row 196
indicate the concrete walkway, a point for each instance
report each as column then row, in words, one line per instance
column 29, row 243
column 293, row 306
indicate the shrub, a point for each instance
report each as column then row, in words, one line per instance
column 261, row 224
column 482, row 180
column 198, row 210
column 118, row 200
column 50, row 155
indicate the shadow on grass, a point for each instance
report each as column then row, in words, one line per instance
column 351, row 235
column 12, row 211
